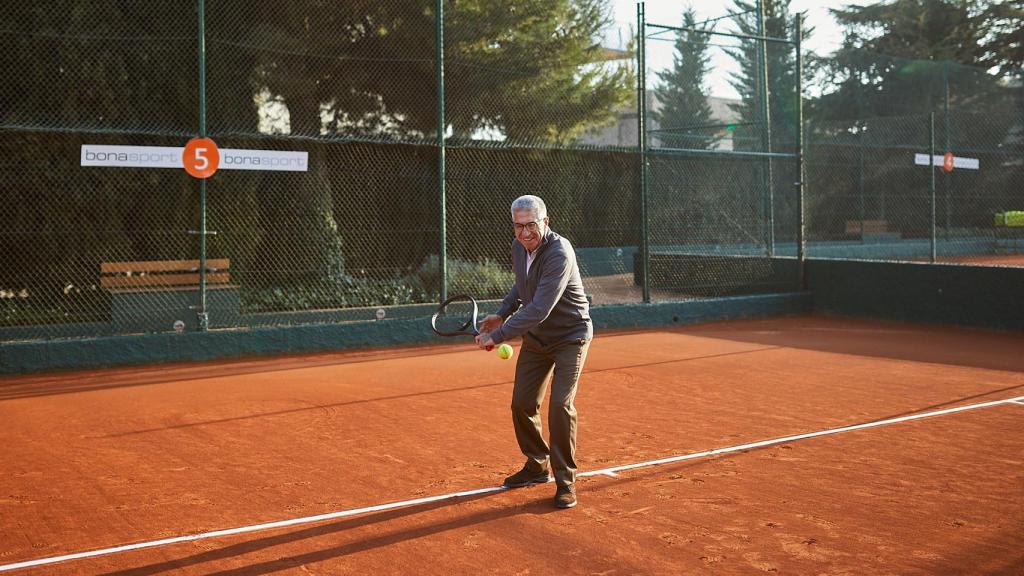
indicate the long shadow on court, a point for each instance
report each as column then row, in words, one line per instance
column 933, row 344
column 126, row 377
column 540, row 506
column 978, row 562
column 950, row 403
column 411, row 395
column 537, row 507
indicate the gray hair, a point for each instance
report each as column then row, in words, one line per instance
column 531, row 203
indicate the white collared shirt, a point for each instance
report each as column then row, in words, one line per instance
column 530, row 257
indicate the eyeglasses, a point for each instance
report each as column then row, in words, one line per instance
column 531, row 226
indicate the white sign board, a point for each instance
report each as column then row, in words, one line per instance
column 132, row 156
column 958, row 162
column 170, row 157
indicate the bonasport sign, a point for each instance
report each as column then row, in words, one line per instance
column 108, row 156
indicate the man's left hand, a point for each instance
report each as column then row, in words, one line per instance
column 485, row 341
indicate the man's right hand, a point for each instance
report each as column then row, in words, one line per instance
column 490, row 323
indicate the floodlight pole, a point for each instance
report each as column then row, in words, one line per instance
column 766, row 133
column 203, row 316
column 641, row 123
column 801, row 186
column 947, row 148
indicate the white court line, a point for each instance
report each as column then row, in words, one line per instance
column 611, row 472
column 785, row 439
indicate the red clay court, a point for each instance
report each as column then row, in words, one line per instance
column 988, row 260
column 102, row 459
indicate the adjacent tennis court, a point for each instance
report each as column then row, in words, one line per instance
column 102, row 459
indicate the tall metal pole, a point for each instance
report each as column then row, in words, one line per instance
column 641, row 123
column 860, row 175
column 766, row 134
column 931, row 176
column 801, row 179
column 442, row 258
column 203, row 316
column 860, row 155
column 947, row 148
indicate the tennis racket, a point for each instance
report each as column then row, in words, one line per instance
column 457, row 316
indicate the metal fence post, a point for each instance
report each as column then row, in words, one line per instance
column 931, row 177
column 766, row 134
column 946, row 175
column 203, row 316
column 801, row 181
column 641, row 122
column 442, row 257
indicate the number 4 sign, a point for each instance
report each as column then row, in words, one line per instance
column 947, row 161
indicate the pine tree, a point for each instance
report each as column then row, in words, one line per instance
column 899, row 58
column 685, row 117
column 778, row 23
column 1004, row 48
column 920, row 29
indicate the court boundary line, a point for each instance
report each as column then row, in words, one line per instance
column 611, row 472
column 784, row 439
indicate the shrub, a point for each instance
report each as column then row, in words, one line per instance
column 482, row 280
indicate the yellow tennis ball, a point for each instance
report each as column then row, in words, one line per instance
column 504, row 351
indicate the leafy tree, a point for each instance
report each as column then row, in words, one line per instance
column 526, row 69
column 85, row 66
column 529, row 70
column 920, row 29
column 1003, row 48
column 532, row 68
column 928, row 45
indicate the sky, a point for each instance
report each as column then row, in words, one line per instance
column 826, row 38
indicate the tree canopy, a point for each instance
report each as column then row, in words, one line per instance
column 527, row 71
column 781, row 59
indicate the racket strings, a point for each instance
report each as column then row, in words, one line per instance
column 456, row 317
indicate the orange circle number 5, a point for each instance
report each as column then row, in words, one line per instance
column 201, row 157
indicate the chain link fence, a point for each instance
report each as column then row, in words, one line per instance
column 358, row 235
column 532, row 105
column 722, row 178
column 872, row 195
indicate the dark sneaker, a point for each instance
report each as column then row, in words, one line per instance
column 565, row 497
column 525, row 477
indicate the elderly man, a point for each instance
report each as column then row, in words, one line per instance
column 548, row 308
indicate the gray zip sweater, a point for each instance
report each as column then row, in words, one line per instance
column 548, row 303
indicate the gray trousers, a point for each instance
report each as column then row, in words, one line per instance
column 534, row 365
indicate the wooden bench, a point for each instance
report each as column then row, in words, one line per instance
column 151, row 296
column 159, row 275
column 869, row 226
